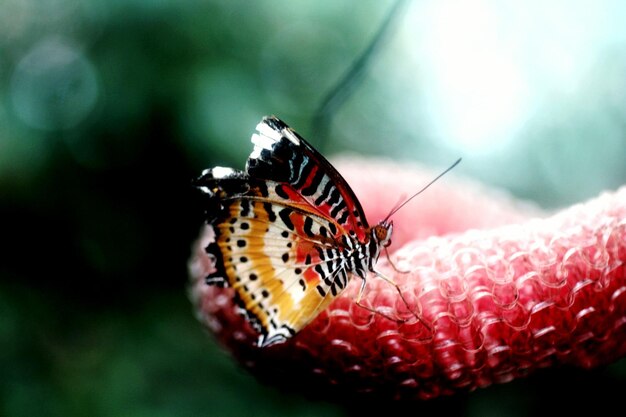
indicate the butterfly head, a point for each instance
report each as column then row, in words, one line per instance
column 382, row 233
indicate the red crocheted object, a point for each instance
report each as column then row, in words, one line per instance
column 497, row 295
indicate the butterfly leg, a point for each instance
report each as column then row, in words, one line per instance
column 397, row 287
column 429, row 328
column 416, row 315
column 370, row 309
column 393, row 265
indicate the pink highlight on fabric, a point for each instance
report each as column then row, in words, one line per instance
column 498, row 294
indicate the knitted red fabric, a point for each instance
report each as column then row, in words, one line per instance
column 492, row 303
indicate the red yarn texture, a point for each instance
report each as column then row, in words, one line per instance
column 499, row 289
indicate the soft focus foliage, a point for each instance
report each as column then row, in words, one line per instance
column 108, row 109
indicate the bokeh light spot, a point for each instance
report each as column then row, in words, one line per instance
column 54, row 86
column 478, row 92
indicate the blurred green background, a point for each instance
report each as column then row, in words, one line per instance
column 109, row 108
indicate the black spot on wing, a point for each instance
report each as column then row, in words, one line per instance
column 321, row 290
column 284, row 216
column 315, row 182
column 308, row 226
column 344, row 217
column 334, row 196
column 335, row 211
column 271, row 216
column 324, row 195
column 318, row 268
column 280, row 190
column 245, row 207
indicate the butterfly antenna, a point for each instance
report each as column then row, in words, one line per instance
column 398, row 207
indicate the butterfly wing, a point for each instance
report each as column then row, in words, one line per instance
column 304, row 176
column 280, row 260
column 282, row 231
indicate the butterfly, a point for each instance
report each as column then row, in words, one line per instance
column 289, row 232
